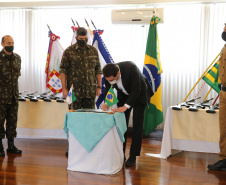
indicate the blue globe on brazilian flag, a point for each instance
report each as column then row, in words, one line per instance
column 111, row 98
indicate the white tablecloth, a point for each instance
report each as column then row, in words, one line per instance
column 169, row 143
column 41, row 119
column 105, row 158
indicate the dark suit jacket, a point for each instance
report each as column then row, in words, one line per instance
column 135, row 84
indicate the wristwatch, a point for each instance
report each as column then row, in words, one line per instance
column 99, row 87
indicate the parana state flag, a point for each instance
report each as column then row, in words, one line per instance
column 152, row 70
column 111, row 98
column 71, row 96
column 212, row 77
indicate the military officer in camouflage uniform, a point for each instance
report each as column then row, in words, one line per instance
column 221, row 164
column 10, row 64
column 80, row 66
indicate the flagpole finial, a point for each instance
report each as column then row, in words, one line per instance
column 77, row 23
column 93, row 24
column 49, row 28
column 73, row 22
column 86, row 22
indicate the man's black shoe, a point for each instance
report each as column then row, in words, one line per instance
column 131, row 161
column 218, row 166
column 14, row 150
column 2, row 153
column 66, row 153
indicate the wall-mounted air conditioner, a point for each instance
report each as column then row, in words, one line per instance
column 136, row 16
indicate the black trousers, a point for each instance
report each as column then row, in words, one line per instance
column 138, row 119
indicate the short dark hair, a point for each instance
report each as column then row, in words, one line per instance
column 81, row 31
column 110, row 70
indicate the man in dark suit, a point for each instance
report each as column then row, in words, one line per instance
column 133, row 91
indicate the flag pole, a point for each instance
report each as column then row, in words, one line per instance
column 72, row 108
column 207, row 94
column 73, row 22
column 77, row 23
column 201, row 77
column 49, row 28
column 215, row 100
column 111, row 112
column 93, row 25
column 88, row 27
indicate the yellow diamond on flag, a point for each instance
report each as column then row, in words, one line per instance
column 110, row 97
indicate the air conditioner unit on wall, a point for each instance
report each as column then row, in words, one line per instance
column 136, row 16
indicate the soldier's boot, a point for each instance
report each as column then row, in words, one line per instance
column 2, row 152
column 12, row 148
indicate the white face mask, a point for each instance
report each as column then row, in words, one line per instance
column 113, row 82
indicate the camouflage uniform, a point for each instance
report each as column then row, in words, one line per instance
column 81, row 65
column 10, row 66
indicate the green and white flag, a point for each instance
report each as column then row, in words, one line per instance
column 71, row 96
column 111, row 98
column 212, row 77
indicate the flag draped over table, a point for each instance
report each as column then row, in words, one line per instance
column 71, row 96
column 55, row 53
column 111, row 98
column 212, row 77
column 152, row 70
column 104, row 57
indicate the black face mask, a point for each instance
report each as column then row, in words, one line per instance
column 224, row 36
column 9, row 48
column 82, row 43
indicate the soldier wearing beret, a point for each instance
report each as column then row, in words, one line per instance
column 10, row 65
column 80, row 66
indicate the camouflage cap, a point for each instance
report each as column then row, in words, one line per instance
column 81, row 31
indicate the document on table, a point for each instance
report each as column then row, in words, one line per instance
column 92, row 110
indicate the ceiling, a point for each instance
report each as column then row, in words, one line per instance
column 72, row 3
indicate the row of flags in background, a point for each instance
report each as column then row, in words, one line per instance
column 152, row 70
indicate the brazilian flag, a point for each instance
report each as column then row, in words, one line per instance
column 111, row 98
column 212, row 77
column 152, row 70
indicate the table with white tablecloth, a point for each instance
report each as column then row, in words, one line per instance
column 95, row 141
column 190, row 131
column 41, row 119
